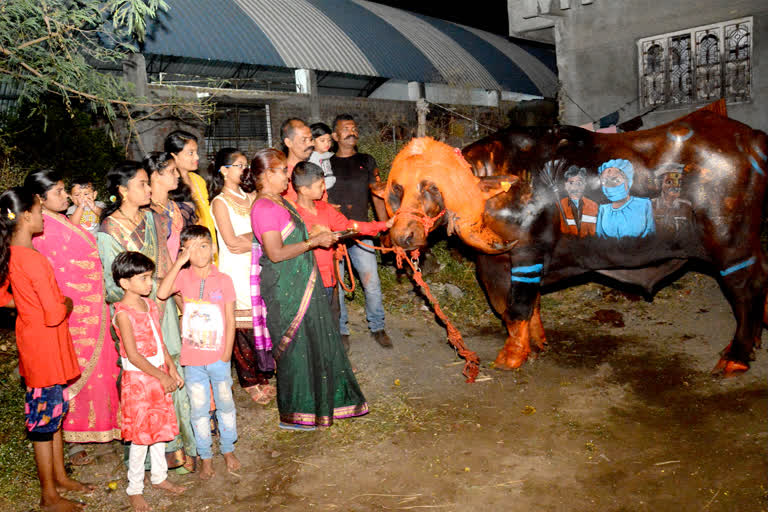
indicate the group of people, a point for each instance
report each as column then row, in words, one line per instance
column 131, row 310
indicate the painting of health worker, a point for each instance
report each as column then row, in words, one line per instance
column 625, row 215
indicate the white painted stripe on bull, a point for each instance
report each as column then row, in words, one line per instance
column 540, row 75
column 449, row 58
column 306, row 38
column 589, row 218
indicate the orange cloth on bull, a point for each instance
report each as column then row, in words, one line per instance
column 583, row 225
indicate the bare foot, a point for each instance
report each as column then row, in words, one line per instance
column 60, row 504
column 169, row 487
column 69, row 484
column 138, row 503
column 232, row 463
column 206, row 469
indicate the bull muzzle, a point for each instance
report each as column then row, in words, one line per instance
column 408, row 234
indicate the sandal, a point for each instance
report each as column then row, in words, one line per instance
column 295, row 426
column 189, row 466
column 261, row 393
column 80, row 458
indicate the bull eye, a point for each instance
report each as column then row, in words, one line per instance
column 395, row 196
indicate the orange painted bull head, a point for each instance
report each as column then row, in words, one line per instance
column 431, row 183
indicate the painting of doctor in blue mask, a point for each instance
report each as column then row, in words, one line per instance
column 625, row 215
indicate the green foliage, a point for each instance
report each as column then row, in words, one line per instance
column 402, row 296
column 56, row 46
column 51, row 136
column 133, row 15
column 383, row 151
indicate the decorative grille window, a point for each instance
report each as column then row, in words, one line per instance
column 701, row 64
column 245, row 127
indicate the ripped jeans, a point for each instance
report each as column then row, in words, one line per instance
column 199, row 380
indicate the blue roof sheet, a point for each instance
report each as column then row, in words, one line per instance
column 348, row 36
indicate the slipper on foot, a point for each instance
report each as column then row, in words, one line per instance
column 293, row 426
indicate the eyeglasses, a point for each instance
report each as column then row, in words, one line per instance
column 239, row 166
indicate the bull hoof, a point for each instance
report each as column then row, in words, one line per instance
column 725, row 368
column 509, row 360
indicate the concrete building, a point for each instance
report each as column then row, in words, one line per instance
column 263, row 61
column 631, row 56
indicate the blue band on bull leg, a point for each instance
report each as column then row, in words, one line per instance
column 526, row 281
column 738, row 266
column 527, row 274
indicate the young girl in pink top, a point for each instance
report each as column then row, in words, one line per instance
column 149, row 377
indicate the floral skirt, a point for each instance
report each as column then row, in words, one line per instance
column 148, row 415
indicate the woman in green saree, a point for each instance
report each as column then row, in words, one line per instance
column 315, row 382
column 126, row 226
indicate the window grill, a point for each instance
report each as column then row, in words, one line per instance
column 245, row 127
column 700, row 64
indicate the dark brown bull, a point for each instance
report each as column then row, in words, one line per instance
column 542, row 206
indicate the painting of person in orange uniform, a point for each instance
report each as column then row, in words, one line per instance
column 579, row 213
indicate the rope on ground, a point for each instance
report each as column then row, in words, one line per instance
column 472, row 361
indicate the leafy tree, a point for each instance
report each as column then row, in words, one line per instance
column 48, row 135
column 62, row 47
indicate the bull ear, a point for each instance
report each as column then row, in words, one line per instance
column 493, row 185
column 378, row 189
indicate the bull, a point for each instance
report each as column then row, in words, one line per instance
column 542, row 206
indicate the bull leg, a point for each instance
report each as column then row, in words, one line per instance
column 765, row 315
column 517, row 347
column 745, row 289
column 538, row 336
column 519, row 316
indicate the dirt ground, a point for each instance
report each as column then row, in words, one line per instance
column 609, row 419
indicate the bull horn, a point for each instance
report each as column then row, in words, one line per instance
column 481, row 237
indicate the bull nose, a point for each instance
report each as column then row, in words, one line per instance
column 405, row 238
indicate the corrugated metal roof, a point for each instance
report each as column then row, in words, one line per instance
column 347, row 36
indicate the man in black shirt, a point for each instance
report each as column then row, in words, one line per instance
column 355, row 172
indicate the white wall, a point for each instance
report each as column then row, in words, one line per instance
column 440, row 93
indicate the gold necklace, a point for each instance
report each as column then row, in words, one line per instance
column 132, row 221
column 239, row 195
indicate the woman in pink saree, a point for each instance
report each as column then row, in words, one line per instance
column 75, row 259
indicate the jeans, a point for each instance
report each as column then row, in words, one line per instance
column 199, row 380
column 364, row 262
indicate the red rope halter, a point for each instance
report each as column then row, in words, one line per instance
column 472, row 364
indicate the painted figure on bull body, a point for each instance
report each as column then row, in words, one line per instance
column 626, row 215
column 579, row 213
column 673, row 215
